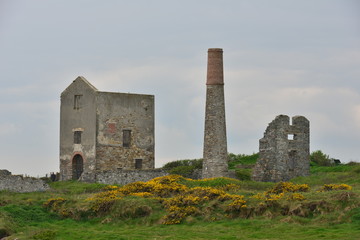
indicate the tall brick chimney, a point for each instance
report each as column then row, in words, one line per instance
column 215, row 145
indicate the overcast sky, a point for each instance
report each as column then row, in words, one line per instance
column 280, row 57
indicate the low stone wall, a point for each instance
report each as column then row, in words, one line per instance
column 123, row 177
column 17, row 183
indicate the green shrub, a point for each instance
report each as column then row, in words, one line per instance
column 183, row 168
column 6, row 225
column 242, row 159
column 355, row 215
column 243, row 174
column 195, row 163
column 320, row 159
column 184, row 171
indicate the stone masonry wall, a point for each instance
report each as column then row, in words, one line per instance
column 17, row 183
column 123, row 177
column 284, row 151
column 215, row 145
column 130, row 112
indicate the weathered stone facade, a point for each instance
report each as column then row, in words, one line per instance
column 215, row 154
column 104, row 131
column 18, row 183
column 284, row 151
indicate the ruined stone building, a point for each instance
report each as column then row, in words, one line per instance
column 101, row 131
column 284, row 150
column 215, row 154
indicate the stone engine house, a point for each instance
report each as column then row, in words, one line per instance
column 104, row 131
column 284, row 151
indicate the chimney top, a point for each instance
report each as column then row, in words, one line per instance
column 215, row 50
column 215, row 75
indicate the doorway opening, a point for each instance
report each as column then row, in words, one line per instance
column 77, row 166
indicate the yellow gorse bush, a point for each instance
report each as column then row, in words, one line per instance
column 237, row 204
column 142, row 194
column 54, row 203
column 283, row 187
column 177, row 214
column 181, row 201
column 103, row 201
column 331, row 187
column 295, row 197
column 178, row 199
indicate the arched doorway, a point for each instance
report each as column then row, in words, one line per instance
column 77, row 166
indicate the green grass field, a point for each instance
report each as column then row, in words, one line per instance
column 73, row 210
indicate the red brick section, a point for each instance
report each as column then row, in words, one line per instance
column 111, row 128
column 215, row 75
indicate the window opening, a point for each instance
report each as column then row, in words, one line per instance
column 126, row 138
column 77, row 137
column 290, row 136
column 138, row 163
column 77, row 102
column 292, row 160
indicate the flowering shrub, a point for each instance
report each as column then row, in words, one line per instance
column 142, row 194
column 54, row 203
column 268, row 197
column 102, row 202
column 177, row 199
column 237, row 204
column 210, row 193
column 331, row 187
column 182, row 200
column 177, row 214
column 274, row 197
column 283, row 187
column 211, row 198
column 295, row 197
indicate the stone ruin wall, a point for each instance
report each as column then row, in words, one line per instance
column 18, row 183
column 284, row 151
column 122, row 177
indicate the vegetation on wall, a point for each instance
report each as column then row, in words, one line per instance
column 183, row 168
column 240, row 163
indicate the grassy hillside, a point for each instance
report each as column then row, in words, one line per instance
column 325, row 205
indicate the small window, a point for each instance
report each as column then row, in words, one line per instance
column 77, row 137
column 138, row 163
column 290, row 136
column 126, row 138
column 77, row 102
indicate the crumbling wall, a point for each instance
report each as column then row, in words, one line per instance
column 284, row 151
column 18, row 183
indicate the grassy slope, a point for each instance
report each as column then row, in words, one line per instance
column 24, row 216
